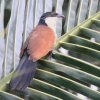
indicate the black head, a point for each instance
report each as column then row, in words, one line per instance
column 49, row 14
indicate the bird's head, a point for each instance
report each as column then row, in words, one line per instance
column 49, row 19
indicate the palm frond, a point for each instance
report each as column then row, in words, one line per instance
column 74, row 67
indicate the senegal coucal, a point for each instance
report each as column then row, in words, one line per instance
column 40, row 41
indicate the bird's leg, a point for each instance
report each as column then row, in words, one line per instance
column 49, row 55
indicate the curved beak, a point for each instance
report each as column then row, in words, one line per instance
column 60, row 16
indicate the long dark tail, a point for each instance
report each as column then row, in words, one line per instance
column 23, row 74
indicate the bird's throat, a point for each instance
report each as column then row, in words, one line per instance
column 51, row 22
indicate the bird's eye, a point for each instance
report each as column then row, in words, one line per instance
column 54, row 15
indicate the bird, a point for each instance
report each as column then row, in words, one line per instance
column 37, row 45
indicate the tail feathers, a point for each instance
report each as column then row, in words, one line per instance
column 23, row 74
